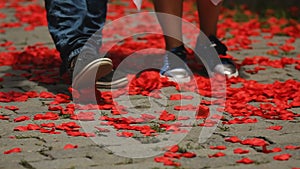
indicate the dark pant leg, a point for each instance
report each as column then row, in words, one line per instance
column 72, row 22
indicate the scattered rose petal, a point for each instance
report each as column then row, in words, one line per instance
column 173, row 149
column 233, row 139
column 221, row 147
column 12, row 108
column 254, row 142
column 125, row 134
column 21, row 118
column 291, row 147
column 282, row 157
column 218, row 154
column 4, row 117
column 240, row 151
column 21, row 128
column 245, row 161
column 165, row 116
column 70, row 146
column 188, row 155
column 14, row 150
column 277, row 128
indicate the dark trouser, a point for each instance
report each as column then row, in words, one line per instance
column 72, row 22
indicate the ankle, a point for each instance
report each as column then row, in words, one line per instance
column 219, row 46
column 180, row 51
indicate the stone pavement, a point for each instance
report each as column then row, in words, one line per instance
column 43, row 150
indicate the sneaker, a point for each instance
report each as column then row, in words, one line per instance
column 115, row 79
column 227, row 66
column 87, row 68
column 175, row 67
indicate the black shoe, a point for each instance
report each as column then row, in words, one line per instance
column 227, row 67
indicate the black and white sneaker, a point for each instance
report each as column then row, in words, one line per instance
column 227, row 67
column 87, row 68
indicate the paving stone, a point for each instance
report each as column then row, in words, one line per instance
column 64, row 163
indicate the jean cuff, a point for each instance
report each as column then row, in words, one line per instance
column 74, row 53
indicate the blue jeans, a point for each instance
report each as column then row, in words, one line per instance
column 72, row 22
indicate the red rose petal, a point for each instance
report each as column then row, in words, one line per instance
column 165, row 116
column 219, row 154
column 46, row 116
column 240, row 151
column 180, row 96
column 254, row 142
column 33, row 127
column 172, row 155
column 276, row 149
column 74, row 133
column 174, row 148
column 21, row 118
column 277, row 128
column 47, row 95
column 21, row 128
column 49, row 125
column 291, row 147
column 221, row 147
column 282, row 157
column 14, row 150
column 125, row 134
column 70, row 146
column 203, row 112
column 12, row 108
column 188, row 155
column 245, row 161
column 4, row 117
column 84, row 116
column 148, row 117
column 233, row 139
column 166, row 160
column 160, row 159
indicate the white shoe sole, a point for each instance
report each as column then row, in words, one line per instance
column 94, row 70
column 178, row 75
column 113, row 84
column 220, row 69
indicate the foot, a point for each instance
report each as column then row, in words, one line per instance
column 87, row 68
column 227, row 66
column 175, row 67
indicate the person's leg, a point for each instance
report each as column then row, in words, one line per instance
column 171, row 24
column 170, row 19
column 208, row 20
column 208, row 16
column 71, row 23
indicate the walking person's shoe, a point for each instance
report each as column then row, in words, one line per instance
column 87, row 68
column 175, row 67
column 114, row 79
column 227, row 66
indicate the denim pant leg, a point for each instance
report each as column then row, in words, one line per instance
column 72, row 22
